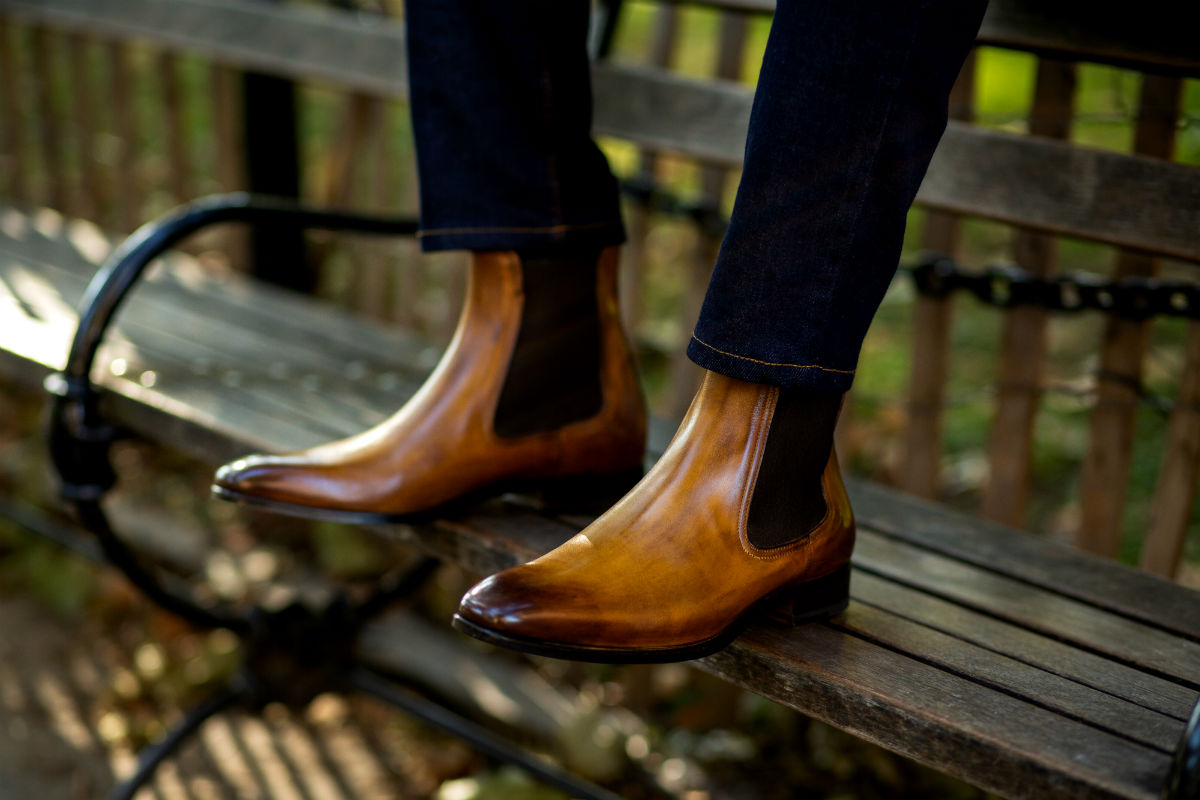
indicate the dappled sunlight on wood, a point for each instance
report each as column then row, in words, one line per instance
column 67, row 723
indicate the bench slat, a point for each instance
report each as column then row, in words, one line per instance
column 1012, row 676
column 984, row 736
column 303, row 42
column 1034, row 607
column 1046, row 653
column 1102, row 584
column 1133, row 201
column 296, row 41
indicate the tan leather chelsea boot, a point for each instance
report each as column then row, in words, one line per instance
column 537, row 389
column 725, row 527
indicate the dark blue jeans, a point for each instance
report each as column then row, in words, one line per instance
column 850, row 104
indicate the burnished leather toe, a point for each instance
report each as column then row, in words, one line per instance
column 671, row 571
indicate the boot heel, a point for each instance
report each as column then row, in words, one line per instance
column 588, row 493
column 815, row 600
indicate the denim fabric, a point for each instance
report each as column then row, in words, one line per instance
column 502, row 115
column 851, row 103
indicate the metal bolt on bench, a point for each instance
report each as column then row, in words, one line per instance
column 292, row 653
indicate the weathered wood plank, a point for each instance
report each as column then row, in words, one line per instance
column 996, row 742
column 639, row 218
column 179, row 167
column 1175, row 492
column 91, row 191
column 1159, row 38
column 12, row 97
column 1059, row 658
column 1104, row 479
column 1033, row 607
column 1138, row 202
column 305, row 43
column 1009, row 674
column 1100, row 583
column 127, row 127
column 921, row 442
column 1023, row 343
column 50, row 120
column 201, row 354
column 45, row 239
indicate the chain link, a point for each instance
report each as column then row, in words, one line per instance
column 1007, row 285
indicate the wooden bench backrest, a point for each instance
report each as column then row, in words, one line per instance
column 1041, row 183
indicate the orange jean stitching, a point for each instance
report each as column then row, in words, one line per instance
column 551, row 229
column 772, row 363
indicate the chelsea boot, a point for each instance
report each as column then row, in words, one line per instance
column 744, row 514
column 537, row 389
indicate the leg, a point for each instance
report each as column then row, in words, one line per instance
column 502, row 114
column 538, row 384
column 745, row 512
column 848, row 111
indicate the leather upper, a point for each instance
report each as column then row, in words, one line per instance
column 442, row 443
column 670, row 565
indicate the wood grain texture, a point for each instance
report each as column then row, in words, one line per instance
column 12, row 98
column 995, row 741
column 1037, row 608
column 1158, row 38
column 305, row 43
column 128, row 129
column 92, row 192
column 1023, row 343
column 1104, row 478
column 921, row 443
column 1010, row 674
column 50, row 119
column 1175, row 492
column 685, row 376
column 1079, row 665
column 179, row 167
column 639, row 218
column 1100, row 583
column 1049, row 186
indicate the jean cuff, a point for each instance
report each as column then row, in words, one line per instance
column 784, row 375
column 598, row 234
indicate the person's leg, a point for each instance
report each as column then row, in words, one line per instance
column 849, row 107
column 502, row 114
column 746, row 511
column 538, row 383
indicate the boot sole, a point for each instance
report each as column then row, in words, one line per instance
column 811, row 601
column 574, row 493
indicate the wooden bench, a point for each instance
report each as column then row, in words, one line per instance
column 1018, row 664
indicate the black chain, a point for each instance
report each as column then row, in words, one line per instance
column 1007, row 285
